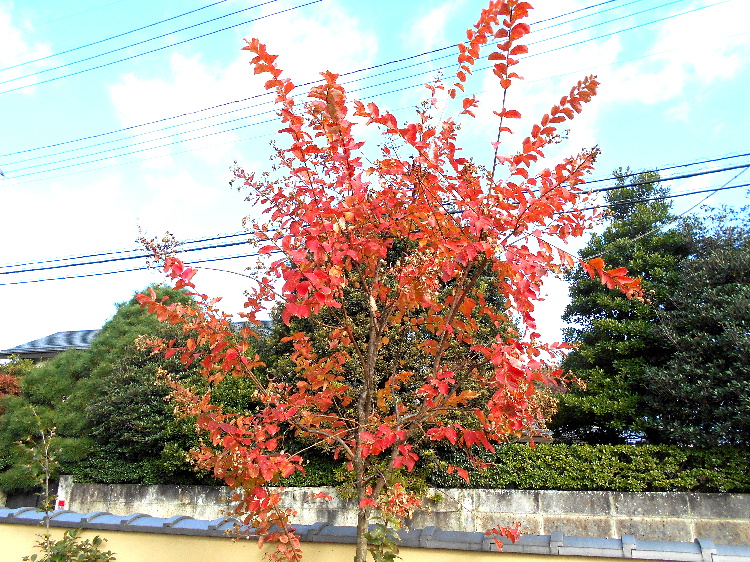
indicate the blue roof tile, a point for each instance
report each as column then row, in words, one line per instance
column 53, row 344
column 430, row 537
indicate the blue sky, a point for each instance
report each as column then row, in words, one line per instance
column 145, row 141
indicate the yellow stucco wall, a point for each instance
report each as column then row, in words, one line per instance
column 17, row 541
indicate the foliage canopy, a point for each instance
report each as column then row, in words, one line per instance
column 414, row 232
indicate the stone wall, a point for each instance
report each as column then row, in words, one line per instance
column 668, row 516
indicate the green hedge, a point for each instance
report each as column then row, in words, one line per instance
column 100, row 468
column 626, row 468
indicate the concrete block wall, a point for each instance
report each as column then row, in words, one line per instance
column 682, row 517
column 670, row 516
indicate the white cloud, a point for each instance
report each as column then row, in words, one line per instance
column 15, row 49
column 689, row 53
column 306, row 44
column 93, row 214
column 680, row 111
column 309, row 42
column 428, row 32
column 175, row 201
column 192, row 85
column 698, row 41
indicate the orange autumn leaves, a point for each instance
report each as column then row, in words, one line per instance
column 438, row 249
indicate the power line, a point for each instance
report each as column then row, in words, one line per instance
column 182, row 140
column 584, row 16
column 665, row 179
column 131, row 250
column 184, row 29
column 129, row 270
column 232, row 244
column 672, row 178
column 147, row 133
column 613, row 20
column 110, row 38
column 159, row 48
column 664, row 197
column 221, row 132
column 673, row 167
column 224, row 236
column 673, row 219
column 300, row 85
column 144, row 159
column 123, row 48
column 116, row 259
column 629, row 28
column 201, row 128
column 224, row 131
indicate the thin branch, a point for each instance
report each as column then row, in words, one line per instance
column 497, row 143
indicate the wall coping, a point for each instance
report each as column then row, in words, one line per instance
column 700, row 550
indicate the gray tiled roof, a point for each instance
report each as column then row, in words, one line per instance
column 430, row 537
column 53, row 344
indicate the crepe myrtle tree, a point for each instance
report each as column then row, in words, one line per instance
column 414, row 231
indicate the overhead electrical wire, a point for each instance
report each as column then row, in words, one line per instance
column 711, row 193
column 259, row 95
column 630, row 28
column 578, row 30
column 115, row 259
column 140, row 268
column 124, row 251
column 256, row 254
column 39, row 265
column 162, row 36
column 218, row 124
column 664, row 197
column 257, row 123
column 190, row 27
column 161, row 48
column 233, row 235
column 174, row 126
column 143, row 255
column 579, row 18
column 66, row 51
column 202, row 136
column 671, row 178
column 136, row 135
column 138, row 151
column 300, row 85
column 672, row 167
column 224, row 131
column 235, row 257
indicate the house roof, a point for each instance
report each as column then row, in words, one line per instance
column 51, row 345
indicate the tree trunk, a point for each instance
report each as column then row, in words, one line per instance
column 362, row 528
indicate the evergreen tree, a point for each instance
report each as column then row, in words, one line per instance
column 701, row 396
column 617, row 336
column 111, row 418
